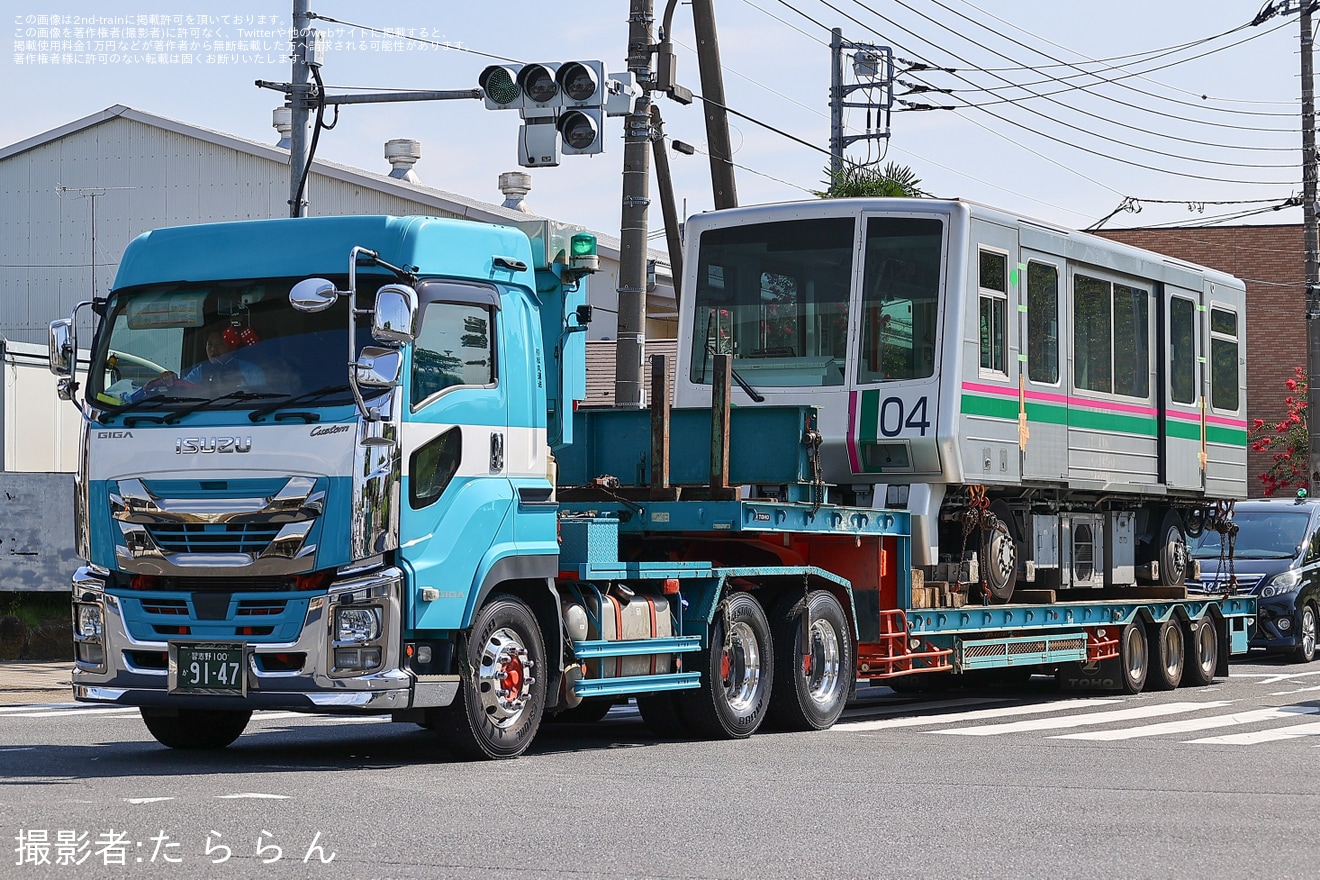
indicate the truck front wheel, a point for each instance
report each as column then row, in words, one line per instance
column 207, row 729
column 737, row 671
column 502, row 698
column 814, row 672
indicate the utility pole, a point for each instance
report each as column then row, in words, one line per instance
column 874, row 67
column 717, row 116
column 664, row 182
column 1311, row 243
column 628, row 350
column 299, row 87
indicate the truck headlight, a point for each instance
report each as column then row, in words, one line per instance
column 1282, row 584
column 88, row 621
column 357, row 624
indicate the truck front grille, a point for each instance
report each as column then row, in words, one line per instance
column 213, row 537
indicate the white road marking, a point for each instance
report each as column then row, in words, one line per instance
column 978, row 715
column 1085, row 719
column 117, row 710
column 253, row 795
column 1294, row 731
column 1273, row 677
column 864, row 712
column 1295, row 691
column 147, row 800
column 20, row 749
column 1187, row 725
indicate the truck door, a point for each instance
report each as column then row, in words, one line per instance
column 456, row 493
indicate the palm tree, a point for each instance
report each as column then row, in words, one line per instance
column 853, row 181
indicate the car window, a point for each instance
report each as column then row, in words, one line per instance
column 1313, row 548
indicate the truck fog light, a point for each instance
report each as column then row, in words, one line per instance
column 90, row 653
column 423, row 654
column 357, row 658
column 89, row 621
column 1284, row 624
column 354, row 624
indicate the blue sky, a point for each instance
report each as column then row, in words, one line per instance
column 1215, row 128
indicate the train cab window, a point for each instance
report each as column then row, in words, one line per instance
column 1182, row 350
column 454, row 347
column 993, row 322
column 900, row 298
column 1223, row 359
column 1111, row 337
column 1042, row 323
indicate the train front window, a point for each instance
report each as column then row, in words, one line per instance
column 775, row 297
column 900, row 298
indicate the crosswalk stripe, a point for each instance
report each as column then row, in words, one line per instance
column 1085, row 719
column 977, row 715
column 1293, row 731
column 1188, row 725
column 865, row 712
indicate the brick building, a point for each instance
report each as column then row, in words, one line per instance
column 1271, row 260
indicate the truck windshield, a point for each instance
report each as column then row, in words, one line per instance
column 1261, row 535
column 180, row 344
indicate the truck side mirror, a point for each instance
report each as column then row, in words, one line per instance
column 378, row 367
column 313, row 295
column 63, row 345
column 392, row 319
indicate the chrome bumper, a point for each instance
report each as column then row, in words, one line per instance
column 316, row 687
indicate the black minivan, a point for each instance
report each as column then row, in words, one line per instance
column 1276, row 558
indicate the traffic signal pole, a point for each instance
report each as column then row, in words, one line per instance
column 629, row 347
column 299, row 87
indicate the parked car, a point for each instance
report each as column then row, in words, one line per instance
column 1276, row 557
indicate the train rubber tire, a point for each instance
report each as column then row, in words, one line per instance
column 737, row 673
column 662, row 713
column 1202, row 653
column 811, row 689
column 1133, row 659
column 1306, row 636
column 501, row 695
column 201, row 729
column 998, row 563
column 1167, row 653
column 1171, row 551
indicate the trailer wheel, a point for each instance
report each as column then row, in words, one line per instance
column 1172, row 550
column 1202, row 650
column 205, row 729
column 1164, row 642
column 662, row 713
column 1133, row 658
column 502, row 696
column 999, row 562
column 812, row 686
column 1306, row 638
column 737, row 672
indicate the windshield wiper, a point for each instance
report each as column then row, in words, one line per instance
column 262, row 411
column 141, row 402
column 742, row 383
column 203, row 403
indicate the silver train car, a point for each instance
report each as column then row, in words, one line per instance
column 1065, row 407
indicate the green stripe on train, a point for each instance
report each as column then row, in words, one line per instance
column 1054, row 414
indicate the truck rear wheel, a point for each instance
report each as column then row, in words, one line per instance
column 737, row 673
column 206, row 729
column 1202, row 652
column 1167, row 655
column 502, row 697
column 812, row 686
column 1133, row 659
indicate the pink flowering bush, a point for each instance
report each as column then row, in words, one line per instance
column 1286, row 441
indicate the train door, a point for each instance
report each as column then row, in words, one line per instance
column 1041, row 384
column 1183, row 423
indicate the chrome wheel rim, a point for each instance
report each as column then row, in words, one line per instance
column 740, row 669
column 1177, row 551
column 821, row 666
column 1308, row 631
column 1205, row 647
column 504, row 679
column 1172, row 650
column 1003, row 554
column 1136, row 655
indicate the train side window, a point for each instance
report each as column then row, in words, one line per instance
column 1223, row 359
column 993, row 297
column 1093, row 332
column 1043, row 323
column 1182, row 350
column 1131, row 341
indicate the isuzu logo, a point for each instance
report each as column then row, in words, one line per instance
column 194, row 445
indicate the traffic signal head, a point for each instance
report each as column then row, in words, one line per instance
column 581, row 130
column 581, row 83
column 499, row 83
column 539, row 86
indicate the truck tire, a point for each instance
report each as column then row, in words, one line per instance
column 1306, row 636
column 1202, row 649
column 1171, row 550
column 502, row 694
column 737, row 673
column 811, row 688
column 1133, row 659
column 203, row 729
column 1167, row 653
column 662, row 713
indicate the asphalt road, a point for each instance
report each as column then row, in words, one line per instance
column 1197, row 783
